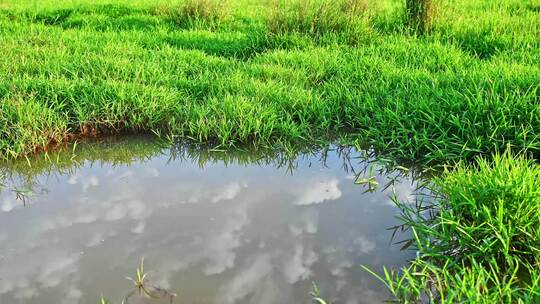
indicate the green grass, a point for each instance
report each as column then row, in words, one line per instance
column 271, row 73
column 452, row 84
column 482, row 243
column 144, row 289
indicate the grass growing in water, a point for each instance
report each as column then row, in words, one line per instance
column 483, row 243
column 143, row 288
column 315, row 295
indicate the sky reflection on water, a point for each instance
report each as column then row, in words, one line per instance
column 216, row 229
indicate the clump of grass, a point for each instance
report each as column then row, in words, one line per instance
column 420, row 14
column 483, row 243
column 193, row 13
column 143, row 287
column 52, row 17
column 370, row 181
column 318, row 18
column 140, row 278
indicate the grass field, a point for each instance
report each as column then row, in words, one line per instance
column 273, row 74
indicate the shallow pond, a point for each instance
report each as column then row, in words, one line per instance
column 214, row 227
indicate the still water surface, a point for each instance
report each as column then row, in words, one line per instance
column 235, row 227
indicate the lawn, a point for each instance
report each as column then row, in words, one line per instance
column 460, row 88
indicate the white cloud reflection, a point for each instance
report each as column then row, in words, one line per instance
column 9, row 204
column 247, row 280
column 299, row 266
column 320, row 192
column 241, row 242
column 229, row 192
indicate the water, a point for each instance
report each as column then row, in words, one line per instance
column 213, row 227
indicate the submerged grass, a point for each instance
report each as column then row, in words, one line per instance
column 435, row 82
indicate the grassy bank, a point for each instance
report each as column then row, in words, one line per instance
column 271, row 73
column 479, row 242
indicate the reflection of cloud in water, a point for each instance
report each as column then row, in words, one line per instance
column 73, row 296
column 298, row 267
column 8, row 204
column 96, row 239
column 405, row 193
column 320, row 192
column 26, row 273
column 99, row 236
column 139, row 228
column 86, row 181
column 54, row 271
column 197, row 193
column 254, row 243
column 213, row 248
column 90, row 212
column 305, row 222
column 228, row 192
column 247, row 281
column 153, row 172
column 125, row 175
column 363, row 245
column 119, row 210
column 219, row 248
